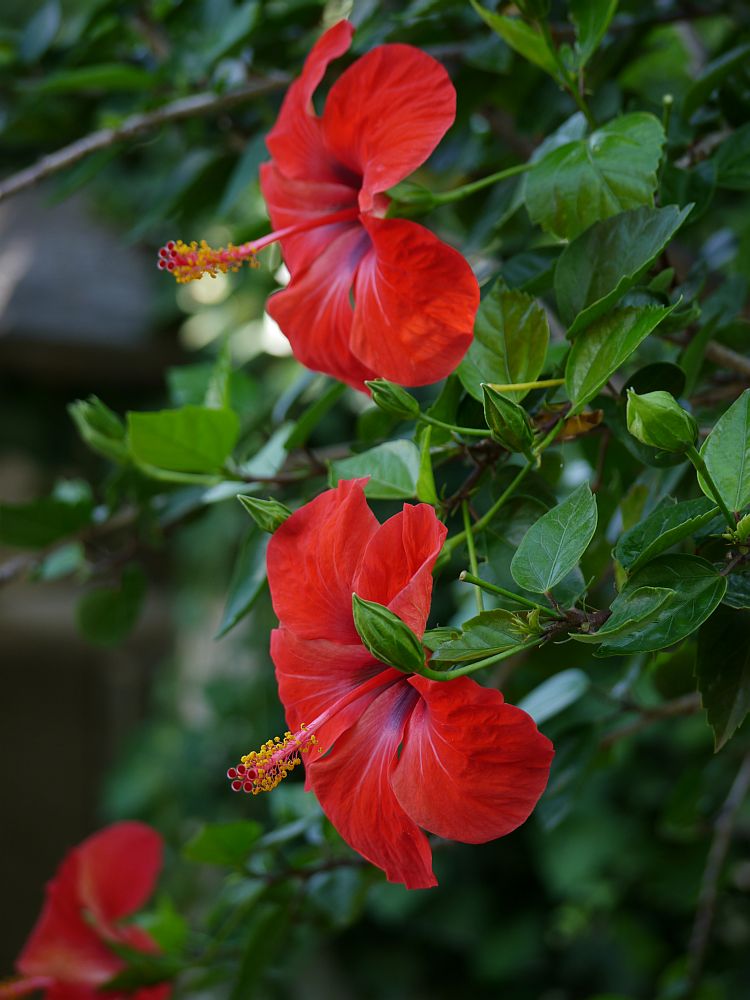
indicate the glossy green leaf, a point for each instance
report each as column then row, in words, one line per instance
column 726, row 452
column 555, row 695
column 591, row 19
column 190, row 439
column 554, row 544
column 722, row 669
column 668, row 524
column 393, row 468
column 711, row 76
column 484, row 635
column 523, row 38
column 40, row 32
column 738, row 590
column 604, row 346
column 732, row 161
column 226, row 844
column 104, row 77
column 107, row 615
column 698, row 589
column 631, row 613
column 511, row 335
column 426, row 490
column 39, row 523
column 593, row 178
column 596, row 270
column 248, row 581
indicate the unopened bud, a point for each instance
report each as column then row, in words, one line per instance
column 508, row 422
column 658, row 420
column 393, row 399
column 388, row 638
column 267, row 514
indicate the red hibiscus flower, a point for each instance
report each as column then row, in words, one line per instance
column 106, row 878
column 385, row 753
column 368, row 296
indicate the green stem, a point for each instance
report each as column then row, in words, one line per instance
column 466, row 431
column 445, row 197
column 700, row 465
column 493, row 589
column 543, row 383
column 569, row 82
column 449, row 675
column 472, row 554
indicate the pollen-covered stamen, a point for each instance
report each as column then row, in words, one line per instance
column 187, row 262
column 262, row 770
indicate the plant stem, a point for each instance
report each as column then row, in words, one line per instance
column 449, row 675
column 543, row 383
column 694, row 456
column 568, row 82
column 518, row 598
column 466, row 431
column 472, row 554
column 445, row 197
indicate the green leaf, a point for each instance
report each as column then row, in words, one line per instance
column 248, row 581
column 425, row 489
column 40, row 32
column 525, row 39
column 106, row 616
column 698, row 591
column 609, row 258
column 555, row 695
column 631, row 612
column 190, row 439
column 226, row 844
column 712, row 75
column 732, row 161
column 484, row 635
column 37, row 524
column 604, row 346
column 554, row 544
column 722, row 669
column 593, row 178
column 101, row 428
column 393, row 469
column 591, row 19
column 313, row 415
column 726, row 452
column 105, row 77
column 738, row 590
column 511, row 335
column 667, row 525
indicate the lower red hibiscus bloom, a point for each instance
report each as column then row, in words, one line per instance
column 369, row 296
column 103, row 880
column 385, row 753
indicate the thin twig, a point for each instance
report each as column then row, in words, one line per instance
column 727, row 358
column 135, row 125
column 709, row 891
column 686, row 705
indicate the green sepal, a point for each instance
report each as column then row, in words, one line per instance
column 393, row 399
column 658, row 420
column 508, row 422
column 267, row 514
column 389, row 639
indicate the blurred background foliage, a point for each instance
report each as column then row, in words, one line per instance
column 596, row 896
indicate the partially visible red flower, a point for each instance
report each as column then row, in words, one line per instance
column 385, row 753
column 103, row 880
column 368, row 296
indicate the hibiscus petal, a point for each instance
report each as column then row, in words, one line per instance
column 386, row 113
column 416, row 299
column 396, row 568
column 290, row 202
column 352, row 784
column 313, row 558
column 471, row 768
column 296, row 142
column 315, row 311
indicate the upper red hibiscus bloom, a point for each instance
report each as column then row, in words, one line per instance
column 106, row 878
column 368, row 296
column 401, row 752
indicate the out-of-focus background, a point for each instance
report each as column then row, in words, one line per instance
column 596, row 895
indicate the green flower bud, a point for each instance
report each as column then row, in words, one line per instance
column 393, row 399
column 388, row 638
column 267, row 514
column 413, row 196
column 100, row 428
column 508, row 422
column 658, row 420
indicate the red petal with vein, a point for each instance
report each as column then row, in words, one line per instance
column 296, row 142
column 396, row 568
column 315, row 311
column 312, row 560
column 471, row 767
column 353, row 786
column 416, row 299
column 386, row 114
column 290, row 202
